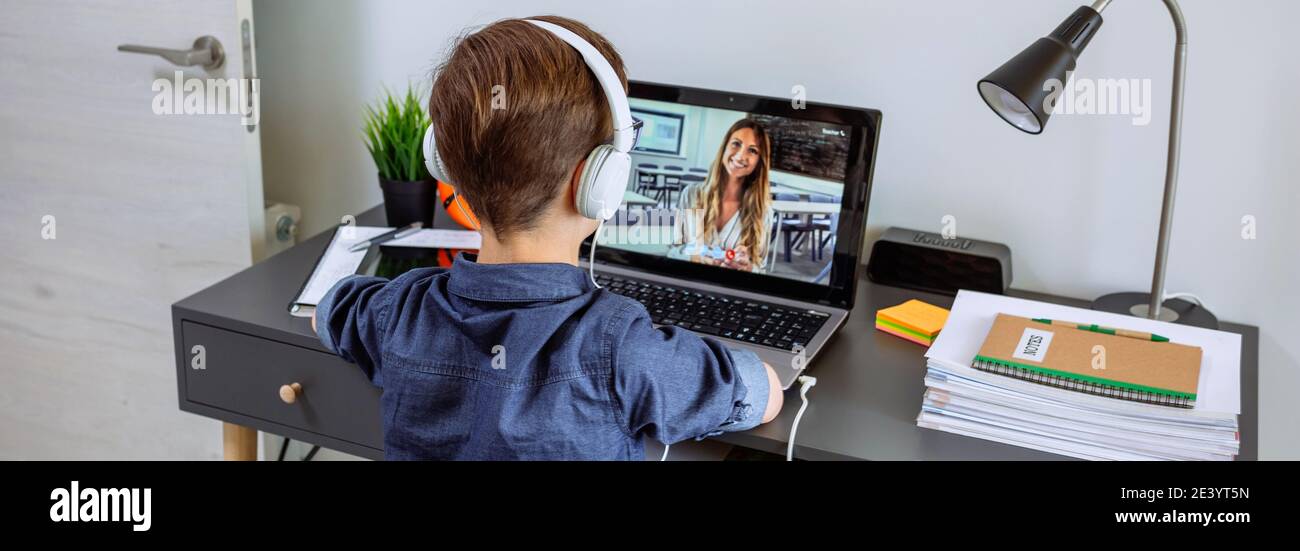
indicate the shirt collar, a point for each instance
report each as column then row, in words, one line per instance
column 516, row 282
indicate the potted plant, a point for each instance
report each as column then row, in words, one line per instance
column 394, row 134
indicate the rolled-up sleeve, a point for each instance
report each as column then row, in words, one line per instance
column 672, row 385
column 350, row 320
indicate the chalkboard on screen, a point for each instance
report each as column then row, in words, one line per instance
column 810, row 148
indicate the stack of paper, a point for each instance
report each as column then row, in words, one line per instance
column 966, row 401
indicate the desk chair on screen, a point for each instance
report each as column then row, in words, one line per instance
column 823, row 225
column 683, row 182
column 673, row 179
column 646, row 181
column 793, row 226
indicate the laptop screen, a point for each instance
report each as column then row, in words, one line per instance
column 735, row 190
column 757, row 191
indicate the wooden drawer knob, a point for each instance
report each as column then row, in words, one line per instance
column 290, row 392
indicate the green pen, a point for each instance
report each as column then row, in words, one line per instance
column 1106, row 330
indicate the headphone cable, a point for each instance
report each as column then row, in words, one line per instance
column 591, row 257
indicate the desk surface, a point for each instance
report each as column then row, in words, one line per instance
column 864, row 405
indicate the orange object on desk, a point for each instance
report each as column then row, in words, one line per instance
column 913, row 320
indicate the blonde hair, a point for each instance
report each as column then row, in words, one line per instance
column 756, row 194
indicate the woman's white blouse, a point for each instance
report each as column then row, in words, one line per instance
column 688, row 230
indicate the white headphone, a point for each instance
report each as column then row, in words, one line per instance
column 604, row 177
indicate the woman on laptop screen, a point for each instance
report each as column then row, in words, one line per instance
column 726, row 220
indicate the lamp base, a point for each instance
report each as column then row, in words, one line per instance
column 1173, row 310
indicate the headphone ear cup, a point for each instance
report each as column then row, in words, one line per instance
column 603, row 182
column 432, row 161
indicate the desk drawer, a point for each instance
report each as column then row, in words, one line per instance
column 243, row 374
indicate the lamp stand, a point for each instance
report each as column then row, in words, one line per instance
column 1151, row 305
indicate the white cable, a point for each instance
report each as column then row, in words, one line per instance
column 456, row 198
column 805, row 383
column 665, row 457
column 591, row 260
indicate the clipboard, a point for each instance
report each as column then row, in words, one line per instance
column 337, row 262
column 334, row 263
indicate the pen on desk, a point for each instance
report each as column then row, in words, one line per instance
column 1106, row 330
column 396, row 233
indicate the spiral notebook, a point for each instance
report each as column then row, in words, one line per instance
column 1162, row 373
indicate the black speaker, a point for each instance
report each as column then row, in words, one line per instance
column 929, row 262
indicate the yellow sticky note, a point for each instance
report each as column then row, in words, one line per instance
column 918, row 316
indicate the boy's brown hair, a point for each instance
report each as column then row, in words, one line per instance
column 511, row 161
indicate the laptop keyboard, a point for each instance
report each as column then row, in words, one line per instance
column 719, row 315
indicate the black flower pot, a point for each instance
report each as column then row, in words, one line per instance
column 407, row 202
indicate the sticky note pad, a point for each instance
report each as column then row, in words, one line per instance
column 913, row 320
column 904, row 333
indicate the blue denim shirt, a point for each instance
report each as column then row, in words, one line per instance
column 531, row 361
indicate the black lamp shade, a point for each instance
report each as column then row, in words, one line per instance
column 1018, row 90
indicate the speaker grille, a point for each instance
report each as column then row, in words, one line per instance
column 933, row 270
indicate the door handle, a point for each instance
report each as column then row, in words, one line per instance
column 207, row 52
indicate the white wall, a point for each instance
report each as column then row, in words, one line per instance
column 1078, row 205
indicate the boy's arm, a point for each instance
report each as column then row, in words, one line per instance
column 775, row 397
column 349, row 320
column 672, row 385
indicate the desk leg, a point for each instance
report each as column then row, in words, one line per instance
column 239, row 442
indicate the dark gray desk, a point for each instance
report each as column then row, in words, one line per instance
column 863, row 407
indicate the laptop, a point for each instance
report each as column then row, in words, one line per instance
column 783, row 300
